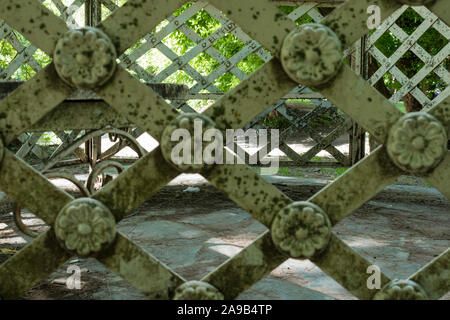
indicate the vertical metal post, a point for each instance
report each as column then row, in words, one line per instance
column 93, row 16
column 358, row 135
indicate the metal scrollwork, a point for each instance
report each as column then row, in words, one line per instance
column 86, row 191
column 123, row 135
column 17, row 211
column 98, row 169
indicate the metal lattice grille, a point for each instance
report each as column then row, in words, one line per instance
column 204, row 87
column 434, row 63
column 265, row 202
column 25, row 59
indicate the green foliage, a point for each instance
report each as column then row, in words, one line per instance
column 334, row 173
column 276, row 122
column 323, row 120
column 203, row 24
column 432, row 41
column 290, row 172
column 284, row 171
column 7, row 53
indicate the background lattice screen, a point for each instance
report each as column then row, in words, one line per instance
column 28, row 60
column 157, row 58
column 435, row 59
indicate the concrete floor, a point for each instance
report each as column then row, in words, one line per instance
column 400, row 230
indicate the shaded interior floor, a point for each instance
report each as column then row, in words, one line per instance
column 193, row 228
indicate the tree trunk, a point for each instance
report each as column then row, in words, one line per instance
column 411, row 104
column 381, row 88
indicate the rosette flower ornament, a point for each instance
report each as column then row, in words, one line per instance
column 311, row 54
column 401, row 290
column 85, row 226
column 85, row 58
column 182, row 142
column 417, row 142
column 197, row 290
column 301, row 230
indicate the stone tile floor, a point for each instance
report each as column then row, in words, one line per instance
column 193, row 228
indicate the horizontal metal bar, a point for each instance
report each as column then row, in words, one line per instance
column 312, row 164
column 165, row 90
column 82, row 115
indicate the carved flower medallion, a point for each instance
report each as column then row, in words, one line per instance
column 417, row 142
column 197, row 290
column 85, row 58
column 311, row 54
column 301, row 230
column 190, row 158
column 85, row 226
column 401, row 290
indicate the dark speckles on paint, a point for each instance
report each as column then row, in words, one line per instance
column 218, row 111
column 279, row 16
